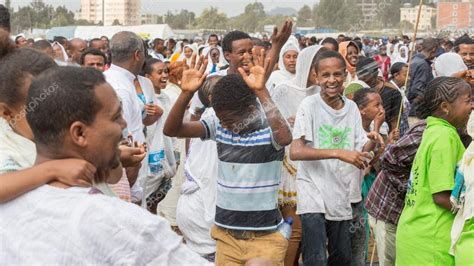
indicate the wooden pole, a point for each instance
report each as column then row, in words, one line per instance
column 410, row 53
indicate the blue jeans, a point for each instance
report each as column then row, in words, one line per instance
column 357, row 230
column 315, row 231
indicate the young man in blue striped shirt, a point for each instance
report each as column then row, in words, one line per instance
column 250, row 133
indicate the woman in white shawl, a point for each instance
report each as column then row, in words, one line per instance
column 287, row 97
column 60, row 55
column 286, row 64
column 401, row 55
column 188, row 51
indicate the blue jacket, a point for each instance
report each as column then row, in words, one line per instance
column 420, row 74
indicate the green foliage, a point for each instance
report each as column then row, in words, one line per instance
column 182, row 20
column 388, row 13
column 337, row 14
column 249, row 20
column 305, row 17
column 211, row 19
column 116, row 22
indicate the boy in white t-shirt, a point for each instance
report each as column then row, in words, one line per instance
column 329, row 140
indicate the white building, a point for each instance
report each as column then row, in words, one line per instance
column 125, row 12
column 409, row 13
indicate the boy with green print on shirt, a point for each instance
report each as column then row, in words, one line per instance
column 331, row 143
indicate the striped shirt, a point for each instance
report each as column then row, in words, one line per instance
column 249, row 173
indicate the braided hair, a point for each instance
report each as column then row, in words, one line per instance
column 440, row 89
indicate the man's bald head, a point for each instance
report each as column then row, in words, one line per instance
column 124, row 44
column 75, row 49
column 128, row 51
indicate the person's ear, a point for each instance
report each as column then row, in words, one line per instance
column 136, row 55
column 77, row 133
column 227, row 56
column 6, row 112
column 445, row 108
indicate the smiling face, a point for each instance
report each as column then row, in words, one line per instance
column 331, row 74
column 460, row 110
column 352, row 55
column 466, row 51
column 236, row 58
column 105, row 133
column 158, row 75
column 212, row 41
column 289, row 60
column 188, row 52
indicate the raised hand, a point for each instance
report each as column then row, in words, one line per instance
column 258, row 65
column 279, row 37
column 193, row 75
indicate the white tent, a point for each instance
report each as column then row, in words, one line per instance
column 89, row 32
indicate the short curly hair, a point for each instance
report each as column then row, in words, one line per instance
column 232, row 94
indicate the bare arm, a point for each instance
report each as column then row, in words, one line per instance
column 280, row 129
column 176, row 127
column 442, row 199
column 279, row 39
column 299, row 151
column 72, row 172
column 153, row 113
column 193, row 78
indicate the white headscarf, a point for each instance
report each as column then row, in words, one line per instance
column 448, row 64
column 289, row 94
column 207, row 52
column 288, row 97
column 193, row 47
column 282, row 74
column 399, row 57
column 63, row 61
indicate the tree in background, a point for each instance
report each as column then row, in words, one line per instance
column 305, row 17
column 116, row 23
column 337, row 14
column 388, row 13
column 211, row 19
column 182, row 20
column 249, row 20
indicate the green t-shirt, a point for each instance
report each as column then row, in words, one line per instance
column 423, row 233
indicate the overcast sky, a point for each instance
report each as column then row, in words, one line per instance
column 231, row 7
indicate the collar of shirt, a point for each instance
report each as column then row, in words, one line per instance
column 127, row 74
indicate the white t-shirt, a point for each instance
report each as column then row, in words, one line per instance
column 323, row 186
column 54, row 226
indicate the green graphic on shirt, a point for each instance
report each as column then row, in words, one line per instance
column 333, row 137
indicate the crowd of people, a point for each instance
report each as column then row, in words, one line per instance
column 184, row 152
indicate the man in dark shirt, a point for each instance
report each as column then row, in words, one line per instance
column 421, row 72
